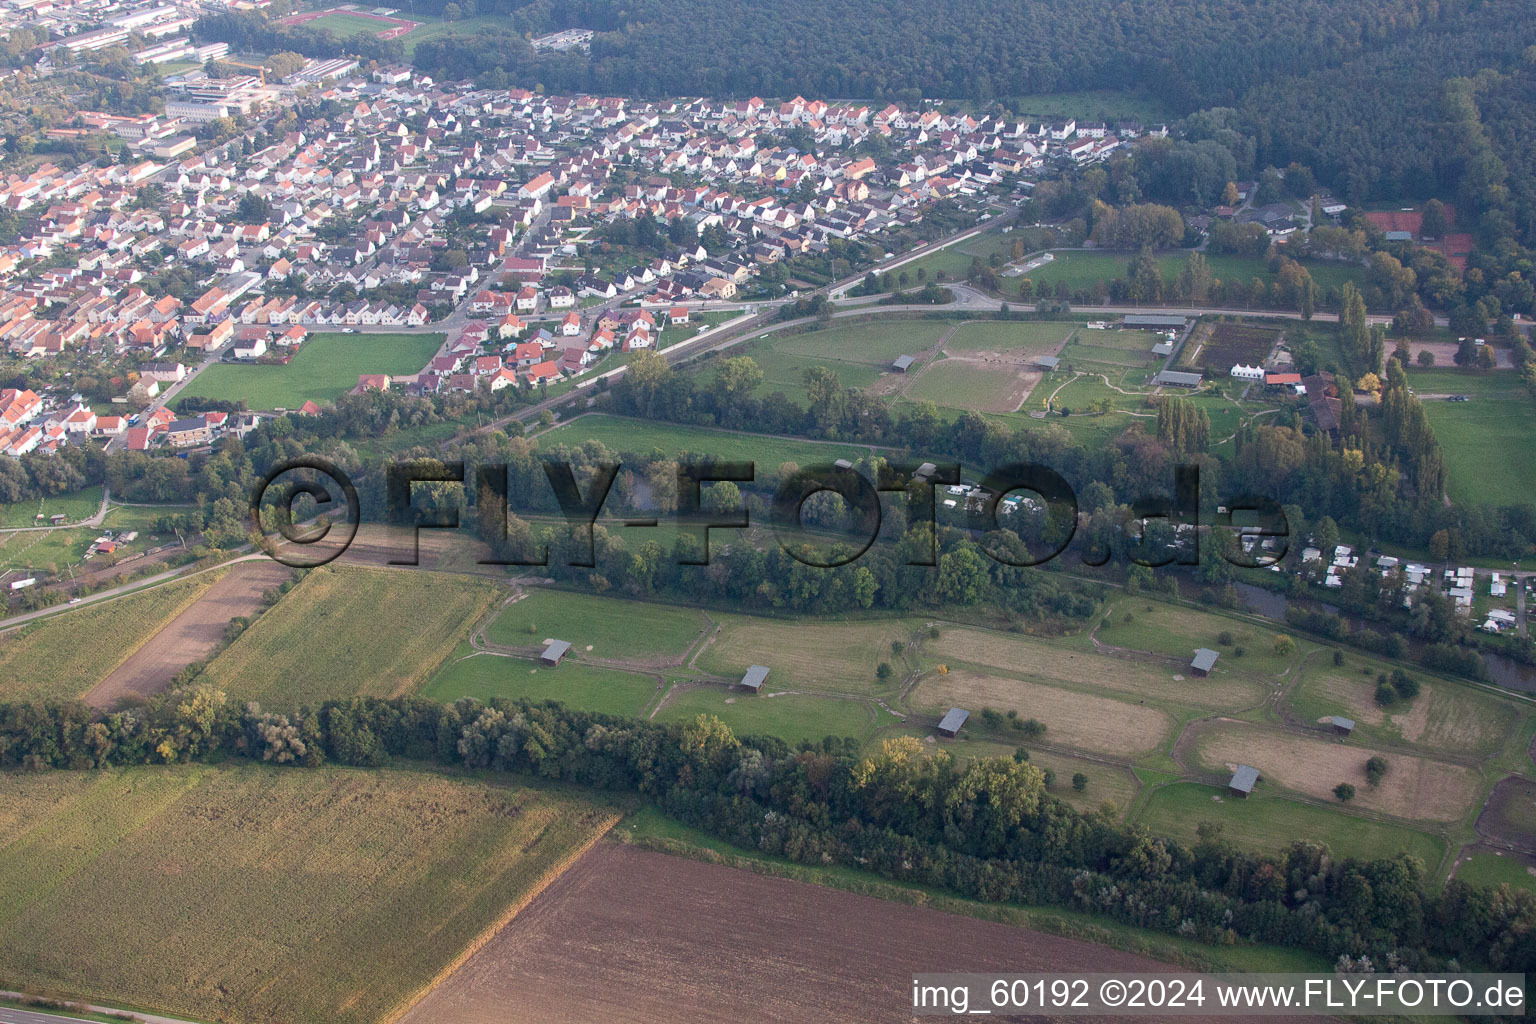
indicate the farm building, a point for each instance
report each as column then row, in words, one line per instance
column 902, row 364
column 756, row 676
column 1205, row 660
column 1341, row 725
column 1047, row 362
column 953, row 721
column 1154, row 321
column 555, row 652
column 1163, row 348
column 1243, row 780
column 1178, row 379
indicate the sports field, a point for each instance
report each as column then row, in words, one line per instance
column 347, row 631
column 598, row 627
column 585, row 687
column 326, row 368
column 63, row 656
column 253, row 894
column 342, row 24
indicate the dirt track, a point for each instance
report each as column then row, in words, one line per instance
column 192, row 635
column 646, row 938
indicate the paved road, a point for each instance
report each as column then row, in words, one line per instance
column 10, row 1016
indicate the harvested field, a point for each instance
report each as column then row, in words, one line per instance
column 1509, row 816
column 192, row 635
column 1077, row 719
column 1443, row 716
column 836, row 657
column 64, row 655
column 260, row 894
column 1048, row 660
column 1415, row 787
column 347, row 632
column 629, row 934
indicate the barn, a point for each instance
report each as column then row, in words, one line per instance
column 902, row 364
column 1204, row 661
column 1243, row 780
column 555, row 652
column 1154, row 321
column 756, row 676
column 1341, row 725
column 952, row 722
column 1178, row 379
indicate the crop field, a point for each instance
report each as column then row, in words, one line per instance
column 598, row 627
column 326, row 368
column 818, row 655
column 623, row 435
column 1073, row 717
column 251, row 894
column 1415, row 787
column 652, row 927
column 1049, row 660
column 1221, row 346
column 1494, row 868
column 791, row 716
column 1489, row 442
column 1443, row 716
column 585, row 687
column 65, row 655
column 1269, row 824
column 192, row 635
column 77, row 505
column 347, row 632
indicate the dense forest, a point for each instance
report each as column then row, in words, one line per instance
column 985, row 828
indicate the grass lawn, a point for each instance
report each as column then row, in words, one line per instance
column 643, row 436
column 953, row 262
column 1494, row 869
column 816, row 655
column 1270, row 824
column 1489, row 442
column 1009, row 336
column 63, row 656
column 346, row 631
column 613, row 628
column 326, row 368
column 792, row 717
column 959, row 384
column 251, row 893
column 77, row 505
column 585, row 687
column 1177, row 631
column 876, row 342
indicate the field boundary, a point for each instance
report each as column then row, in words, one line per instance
column 490, row 931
